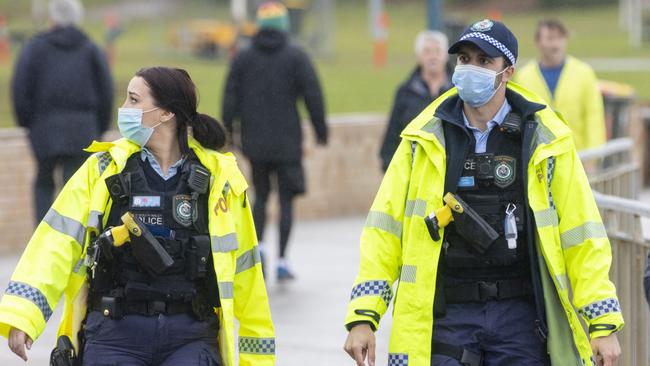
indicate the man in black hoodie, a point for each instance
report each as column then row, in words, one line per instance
column 62, row 93
column 263, row 86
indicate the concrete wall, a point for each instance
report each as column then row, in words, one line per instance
column 342, row 178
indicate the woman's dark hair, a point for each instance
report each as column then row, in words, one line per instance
column 174, row 90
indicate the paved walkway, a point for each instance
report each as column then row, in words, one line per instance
column 308, row 313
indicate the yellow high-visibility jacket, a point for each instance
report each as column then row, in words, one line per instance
column 395, row 245
column 576, row 97
column 52, row 264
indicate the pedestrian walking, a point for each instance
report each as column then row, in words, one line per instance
column 62, row 93
column 427, row 82
column 264, row 85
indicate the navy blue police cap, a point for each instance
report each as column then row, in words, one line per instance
column 492, row 37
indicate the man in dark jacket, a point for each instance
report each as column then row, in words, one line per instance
column 426, row 83
column 262, row 90
column 62, row 93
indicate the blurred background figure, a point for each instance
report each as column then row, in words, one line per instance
column 262, row 90
column 566, row 83
column 62, row 93
column 646, row 281
column 426, row 83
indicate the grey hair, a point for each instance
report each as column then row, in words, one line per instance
column 66, row 12
column 429, row 35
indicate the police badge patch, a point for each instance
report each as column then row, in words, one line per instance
column 505, row 170
column 183, row 209
column 483, row 26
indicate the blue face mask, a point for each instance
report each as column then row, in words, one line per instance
column 475, row 84
column 129, row 122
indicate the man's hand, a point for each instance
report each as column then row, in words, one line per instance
column 361, row 342
column 18, row 340
column 606, row 350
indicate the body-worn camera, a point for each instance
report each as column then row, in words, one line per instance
column 484, row 166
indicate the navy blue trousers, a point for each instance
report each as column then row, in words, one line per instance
column 504, row 331
column 161, row 340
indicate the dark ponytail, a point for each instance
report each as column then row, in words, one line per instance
column 208, row 131
column 174, row 90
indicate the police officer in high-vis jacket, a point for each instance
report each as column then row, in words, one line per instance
column 152, row 245
column 486, row 218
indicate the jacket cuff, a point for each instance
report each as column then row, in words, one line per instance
column 606, row 325
column 602, row 330
column 349, row 326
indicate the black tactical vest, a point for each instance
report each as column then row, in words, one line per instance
column 177, row 217
column 492, row 184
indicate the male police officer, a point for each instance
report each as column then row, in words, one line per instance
column 492, row 288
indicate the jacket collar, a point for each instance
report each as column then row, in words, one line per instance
column 551, row 137
column 417, row 85
column 451, row 110
column 222, row 166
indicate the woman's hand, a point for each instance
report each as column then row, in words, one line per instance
column 361, row 344
column 18, row 340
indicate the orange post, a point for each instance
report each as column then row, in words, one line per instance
column 381, row 41
column 494, row 14
column 5, row 47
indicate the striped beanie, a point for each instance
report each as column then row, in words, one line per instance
column 272, row 14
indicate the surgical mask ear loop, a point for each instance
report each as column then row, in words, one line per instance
column 159, row 122
column 500, row 82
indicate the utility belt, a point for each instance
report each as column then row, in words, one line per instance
column 482, row 291
column 117, row 307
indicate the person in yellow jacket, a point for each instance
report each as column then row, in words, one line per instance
column 170, row 294
column 567, row 84
column 493, row 286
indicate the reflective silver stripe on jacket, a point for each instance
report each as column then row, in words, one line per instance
column 416, row 207
column 225, row 243
column 248, row 260
column 408, row 273
column 582, row 233
column 547, row 217
column 226, row 290
column 66, row 225
column 385, row 222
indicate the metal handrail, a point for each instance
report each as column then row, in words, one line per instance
column 620, row 204
column 616, row 146
column 615, row 181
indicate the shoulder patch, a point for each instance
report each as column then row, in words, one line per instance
column 104, row 159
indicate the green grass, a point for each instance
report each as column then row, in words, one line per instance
column 350, row 82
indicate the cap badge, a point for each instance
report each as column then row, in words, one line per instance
column 483, row 26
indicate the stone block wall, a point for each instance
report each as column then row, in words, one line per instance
column 342, row 178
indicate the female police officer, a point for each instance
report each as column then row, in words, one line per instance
column 160, row 298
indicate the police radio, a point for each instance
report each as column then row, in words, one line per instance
column 511, row 125
column 199, row 179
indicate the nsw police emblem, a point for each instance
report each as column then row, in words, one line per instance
column 482, row 26
column 505, row 170
column 183, row 209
